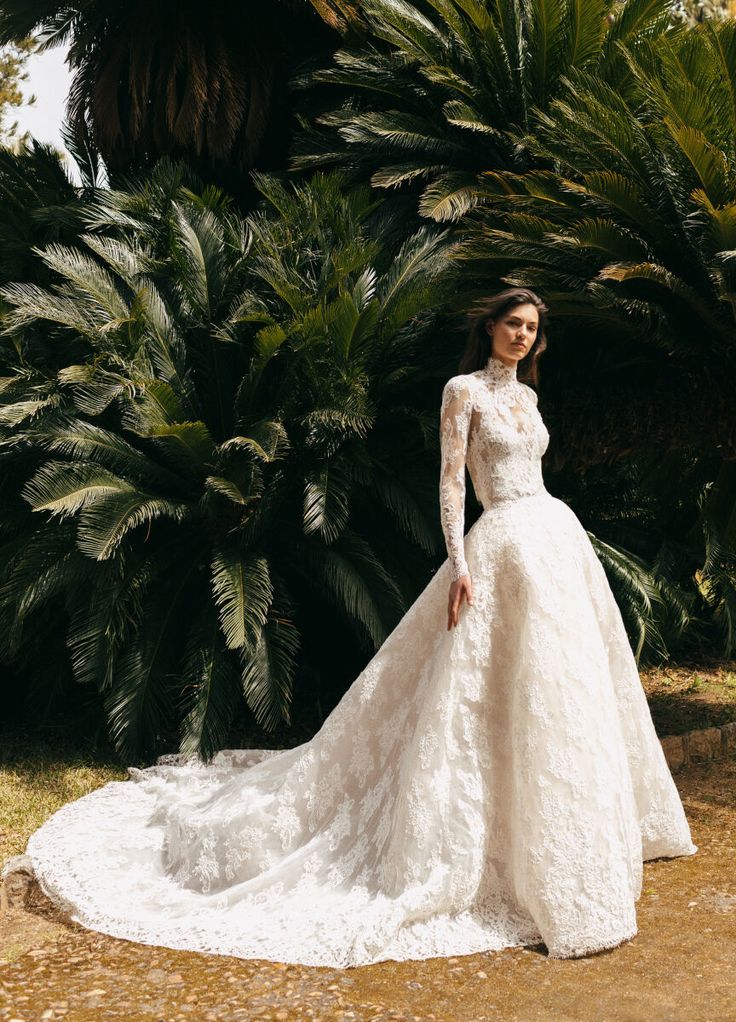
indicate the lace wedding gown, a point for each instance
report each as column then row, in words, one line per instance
column 493, row 785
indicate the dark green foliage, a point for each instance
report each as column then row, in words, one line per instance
column 444, row 90
column 236, row 437
column 213, row 430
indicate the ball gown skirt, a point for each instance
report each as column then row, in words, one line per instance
column 494, row 785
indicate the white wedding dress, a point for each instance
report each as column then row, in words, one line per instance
column 493, row 785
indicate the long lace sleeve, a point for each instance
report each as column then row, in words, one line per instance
column 454, row 427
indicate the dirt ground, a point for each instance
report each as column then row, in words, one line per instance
column 686, row 697
column 681, row 966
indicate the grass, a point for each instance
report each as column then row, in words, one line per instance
column 38, row 775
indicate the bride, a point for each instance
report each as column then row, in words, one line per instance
column 492, row 783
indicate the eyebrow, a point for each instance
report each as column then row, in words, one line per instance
column 533, row 322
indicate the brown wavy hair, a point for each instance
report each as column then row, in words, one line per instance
column 478, row 348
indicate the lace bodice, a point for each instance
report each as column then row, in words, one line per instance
column 489, row 421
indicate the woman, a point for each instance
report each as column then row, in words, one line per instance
column 493, row 783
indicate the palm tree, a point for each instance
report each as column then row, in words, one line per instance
column 444, row 90
column 205, row 83
column 232, row 445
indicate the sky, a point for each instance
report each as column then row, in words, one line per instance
column 49, row 81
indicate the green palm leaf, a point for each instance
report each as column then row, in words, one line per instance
column 637, row 593
column 326, row 502
column 210, row 692
column 243, row 592
column 267, row 671
column 104, row 523
column 64, row 488
column 101, row 626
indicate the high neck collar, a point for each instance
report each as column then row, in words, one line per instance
column 498, row 372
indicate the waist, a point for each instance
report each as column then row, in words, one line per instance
column 491, row 503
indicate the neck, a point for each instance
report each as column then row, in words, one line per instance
column 498, row 371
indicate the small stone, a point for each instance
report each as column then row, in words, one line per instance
column 97, row 992
column 728, row 736
column 704, row 745
column 482, row 975
column 674, row 751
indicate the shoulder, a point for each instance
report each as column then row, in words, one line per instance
column 530, row 392
column 459, row 387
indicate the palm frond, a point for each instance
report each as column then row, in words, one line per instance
column 64, row 488
column 267, row 671
column 243, row 593
column 210, row 690
column 636, row 591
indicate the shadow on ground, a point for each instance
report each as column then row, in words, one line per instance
column 680, row 966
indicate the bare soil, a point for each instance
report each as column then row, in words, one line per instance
column 679, row 968
column 687, row 697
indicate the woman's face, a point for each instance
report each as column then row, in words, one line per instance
column 513, row 333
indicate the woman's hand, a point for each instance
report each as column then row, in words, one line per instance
column 460, row 589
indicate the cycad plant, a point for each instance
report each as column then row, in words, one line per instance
column 629, row 232
column 234, row 443
column 585, row 150
column 39, row 204
column 443, row 90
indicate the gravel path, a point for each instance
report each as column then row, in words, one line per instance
column 681, row 967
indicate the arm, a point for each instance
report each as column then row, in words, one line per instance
column 454, row 428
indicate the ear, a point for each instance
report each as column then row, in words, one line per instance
column 489, row 324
